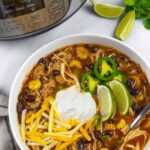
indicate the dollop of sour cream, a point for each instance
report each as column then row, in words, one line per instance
column 73, row 104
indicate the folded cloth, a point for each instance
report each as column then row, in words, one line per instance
column 7, row 141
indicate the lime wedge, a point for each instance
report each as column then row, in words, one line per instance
column 122, row 96
column 106, row 102
column 107, row 10
column 125, row 26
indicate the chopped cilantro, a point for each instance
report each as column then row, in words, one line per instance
column 142, row 9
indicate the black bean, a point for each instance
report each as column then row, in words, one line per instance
column 91, row 66
column 114, row 148
column 22, row 95
column 80, row 145
column 97, row 134
column 131, row 83
column 37, row 108
column 109, row 132
column 55, row 72
column 110, row 121
column 148, row 97
column 30, row 98
column 136, row 108
column 20, row 107
column 134, row 91
column 93, row 48
column 45, row 62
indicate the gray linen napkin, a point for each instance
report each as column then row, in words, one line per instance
column 7, row 141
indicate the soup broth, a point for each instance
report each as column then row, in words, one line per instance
column 42, row 118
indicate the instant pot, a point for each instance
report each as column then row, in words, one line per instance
column 24, row 18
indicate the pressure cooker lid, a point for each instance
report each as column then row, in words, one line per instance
column 24, row 18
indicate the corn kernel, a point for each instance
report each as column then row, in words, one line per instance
column 121, row 124
column 34, row 84
column 82, row 52
column 103, row 148
column 110, row 126
column 76, row 64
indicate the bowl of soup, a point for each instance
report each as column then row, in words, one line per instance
column 81, row 92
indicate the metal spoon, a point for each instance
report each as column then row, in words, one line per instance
column 137, row 120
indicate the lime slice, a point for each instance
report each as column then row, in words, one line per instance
column 107, row 10
column 106, row 102
column 122, row 96
column 125, row 26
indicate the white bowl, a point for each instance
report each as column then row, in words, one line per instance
column 49, row 48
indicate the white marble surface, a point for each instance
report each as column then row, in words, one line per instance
column 14, row 53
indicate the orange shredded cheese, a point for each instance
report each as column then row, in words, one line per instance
column 66, row 144
column 56, row 111
column 59, row 129
column 36, row 139
column 88, row 124
column 85, row 134
column 50, row 126
column 22, row 131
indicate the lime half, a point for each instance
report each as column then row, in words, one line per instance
column 108, row 10
column 106, row 102
column 125, row 26
column 122, row 96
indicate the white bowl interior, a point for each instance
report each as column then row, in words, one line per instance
column 84, row 38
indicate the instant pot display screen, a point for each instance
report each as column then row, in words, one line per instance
column 14, row 8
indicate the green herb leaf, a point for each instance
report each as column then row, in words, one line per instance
column 142, row 10
column 147, row 23
column 129, row 2
column 105, row 138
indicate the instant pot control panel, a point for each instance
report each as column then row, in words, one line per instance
column 18, row 17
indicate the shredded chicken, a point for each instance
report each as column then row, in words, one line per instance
column 64, row 72
column 95, row 56
column 132, row 135
column 47, row 88
column 39, row 71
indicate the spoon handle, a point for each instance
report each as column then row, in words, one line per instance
column 139, row 117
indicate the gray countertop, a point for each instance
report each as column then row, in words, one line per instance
column 14, row 53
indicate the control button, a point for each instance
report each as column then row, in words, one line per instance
column 55, row 6
column 37, row 24
column 13, row 25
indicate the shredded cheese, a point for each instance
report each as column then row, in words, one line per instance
column 59, row 129
column 23, row 132
column 45, row 115
column 85, row 134
column 37, row 134
column 60, row 138
column 73, row 131
column 60, row 134
column 36, row 124
column 33, row 144
column 58, row 144
column 50, row 146
column 50, row 126
column 56, row 111
column 36, row 139
column 41, row 127
column 68, row 126
column 66, row 144
column 88, row 124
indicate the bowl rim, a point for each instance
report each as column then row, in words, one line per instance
column 74, row 36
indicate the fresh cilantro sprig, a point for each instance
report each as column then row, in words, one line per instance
column 142, row 9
